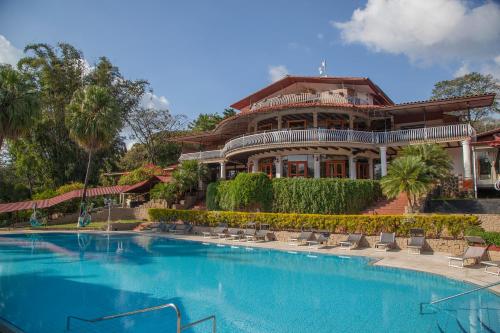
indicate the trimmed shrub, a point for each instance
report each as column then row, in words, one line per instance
column 434, row 225
column 323, row 196
column 212, row 196
column 491, row 237
column 292, row 195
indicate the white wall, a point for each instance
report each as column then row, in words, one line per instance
column 457, row 160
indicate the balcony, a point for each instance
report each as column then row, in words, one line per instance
column 308, row 98
column 324, row 137
column 202, row 155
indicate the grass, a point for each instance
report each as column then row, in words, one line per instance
column 72, row 226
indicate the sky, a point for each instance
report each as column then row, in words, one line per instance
column 202, row 56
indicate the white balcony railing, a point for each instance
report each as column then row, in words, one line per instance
column 308, row 98
column 202, row 155
column 315, row 135
column 447, row 133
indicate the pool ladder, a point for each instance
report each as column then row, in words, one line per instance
column 457, row 295
column 179, row 327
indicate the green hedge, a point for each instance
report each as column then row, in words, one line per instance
column 491, row 237
column 292, row 195
column 434, row 225
column 323, row 196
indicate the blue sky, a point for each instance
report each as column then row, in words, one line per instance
column 204, row 55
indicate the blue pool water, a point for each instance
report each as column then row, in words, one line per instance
column 46, row 277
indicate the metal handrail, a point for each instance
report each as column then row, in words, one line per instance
column 457, row 295
column 179, row 328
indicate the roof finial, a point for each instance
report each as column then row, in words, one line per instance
column 322, row 68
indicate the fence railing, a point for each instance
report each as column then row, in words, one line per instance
column 305, row 98
column 316, row 135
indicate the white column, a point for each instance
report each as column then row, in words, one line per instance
column 370, row 168
column 383, row 160
column 352, row 167
column 279, row 166
column 317, row 166
column 315, row 119
column 255, row 166
column 466, row 158
column 222, row 170
column 279, row 121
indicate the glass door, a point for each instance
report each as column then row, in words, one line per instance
column 267, row 168
column 297, row 169
column 362, row 170
column 335, row 169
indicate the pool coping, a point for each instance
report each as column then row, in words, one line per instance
column 435, row 263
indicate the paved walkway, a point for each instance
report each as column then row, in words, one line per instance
column 436, row 263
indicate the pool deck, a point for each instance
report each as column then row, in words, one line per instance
column 435, row 263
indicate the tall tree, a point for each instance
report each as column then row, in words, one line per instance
column 94, row 121
column 152, row 128
column 18, row 103
column 470, row 84
column 59, row 72
column 208, row 121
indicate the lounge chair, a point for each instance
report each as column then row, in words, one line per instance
column 261, row 236
column 474, row 253
column 220, row 229
column 234, row 234
column 416, row 242
column 494, row 264
column 320, row 240
column 352, row 241
column 302, row 239
column 387, row 241
column 181, row 228
column 249, row 234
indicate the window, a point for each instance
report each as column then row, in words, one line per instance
column 484, row 166
column 335, row 169
column 335, row 124
column 266, row 127
column 297, row 124
column 267, row 166
column 297, row 169
column 362, row 170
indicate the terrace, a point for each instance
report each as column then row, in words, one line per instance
column 322, row 137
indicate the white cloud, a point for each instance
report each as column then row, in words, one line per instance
column 277, row 72
column 464, row 69
column 9, row 54
column 152, row 101
column 427, row 31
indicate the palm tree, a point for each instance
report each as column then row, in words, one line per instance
column 406, row 174
column 18, row 103
column 93, row 119
column 436, row 159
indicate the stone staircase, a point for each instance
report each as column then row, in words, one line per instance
column 384, row 206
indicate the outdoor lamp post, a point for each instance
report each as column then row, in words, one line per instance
column 108, row 202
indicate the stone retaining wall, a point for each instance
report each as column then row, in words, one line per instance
column 453, row 246
column 490, row 222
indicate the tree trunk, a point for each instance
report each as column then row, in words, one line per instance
column 84, row 193
column 1, row 142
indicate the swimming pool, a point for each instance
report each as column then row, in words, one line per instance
column 46, row 277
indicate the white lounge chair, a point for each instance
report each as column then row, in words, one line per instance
column 387, row 241
column 302, row 238
column 215, row 232
column 416, row 242
column 491, row 265
column 234, row 234
column 474, row 253
column 352, row 242
column 320, row 240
